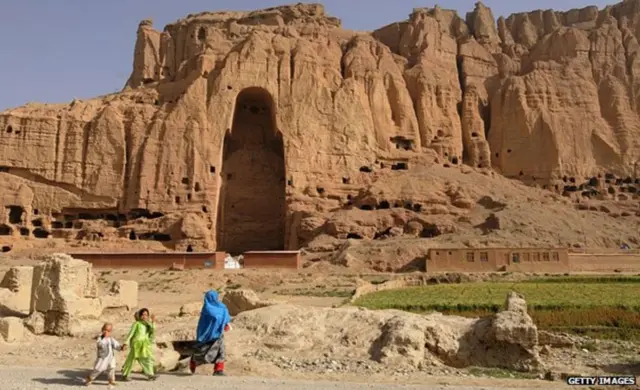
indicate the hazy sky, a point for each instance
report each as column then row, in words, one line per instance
column 55, row 50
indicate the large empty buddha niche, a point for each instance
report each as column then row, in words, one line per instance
column 251, row 212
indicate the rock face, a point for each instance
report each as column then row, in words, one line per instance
column 254, row 130
column 507, row 340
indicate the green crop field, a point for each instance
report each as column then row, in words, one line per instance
column 600, row 307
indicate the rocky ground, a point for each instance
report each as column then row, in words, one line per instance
column 310, row 341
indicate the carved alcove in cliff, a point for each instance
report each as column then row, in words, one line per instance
column 252, row 210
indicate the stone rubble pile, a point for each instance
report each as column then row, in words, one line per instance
column 508, row 339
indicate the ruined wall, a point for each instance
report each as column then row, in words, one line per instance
column 537, row 96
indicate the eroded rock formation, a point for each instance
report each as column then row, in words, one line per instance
column 247, row 130
column 508, row 339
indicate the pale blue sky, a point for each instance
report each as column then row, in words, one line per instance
column 55, row 50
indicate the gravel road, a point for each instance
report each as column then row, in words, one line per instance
column 20, row 378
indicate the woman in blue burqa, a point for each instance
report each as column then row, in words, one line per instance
column 214, row 321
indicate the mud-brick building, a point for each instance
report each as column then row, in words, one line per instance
column 498, row 259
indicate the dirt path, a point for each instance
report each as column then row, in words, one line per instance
column 18, row 378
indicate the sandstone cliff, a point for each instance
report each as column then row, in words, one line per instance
column 251, row 130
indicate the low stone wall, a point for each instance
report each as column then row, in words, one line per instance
column 185, row 260
column 193, row 260
column 272, row 259
column 368, row 288
column 604, row 262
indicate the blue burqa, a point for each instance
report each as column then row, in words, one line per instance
column 213, row 318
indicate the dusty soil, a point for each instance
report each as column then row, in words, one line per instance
column 18, row 378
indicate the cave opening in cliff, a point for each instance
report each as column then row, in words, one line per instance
column 252, row 209
column 15, row 214
column 41, row 233
column 5, row 230
column 430, row 231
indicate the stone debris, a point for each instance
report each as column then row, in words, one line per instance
column 395, row 338
column 238, row 301
column 11, row 329
column 167, row 359
column 59, row 293
column 560, row 340
column 15, row 291
column 35, row 323
column 63, row 286
column 514, row 325
column 122, row 295
column 190, row 309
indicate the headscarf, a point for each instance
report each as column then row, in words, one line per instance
column 213, row 318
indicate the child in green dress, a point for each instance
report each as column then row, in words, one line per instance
column 140, row 341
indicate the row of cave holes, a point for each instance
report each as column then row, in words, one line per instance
column 385, row 205
column 9, row 129
column 402, row 142
column 595, row 182
column 155, row 236
column 37, row 233
column 347, row 180
column 42, row 233
column 428, row 231
column 116, row 219
column 401, row 166
column 15, row 218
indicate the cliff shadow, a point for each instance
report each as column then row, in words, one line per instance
column 252, row 202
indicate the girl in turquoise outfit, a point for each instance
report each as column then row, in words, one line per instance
column 140, row 341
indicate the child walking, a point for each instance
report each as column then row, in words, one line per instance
column 106, row 359
column 214, row 321
column 140, row 340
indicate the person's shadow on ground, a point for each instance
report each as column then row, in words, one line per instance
column 69, row 378
column 77, row 377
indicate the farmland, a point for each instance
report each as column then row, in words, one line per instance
column 599, row 307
